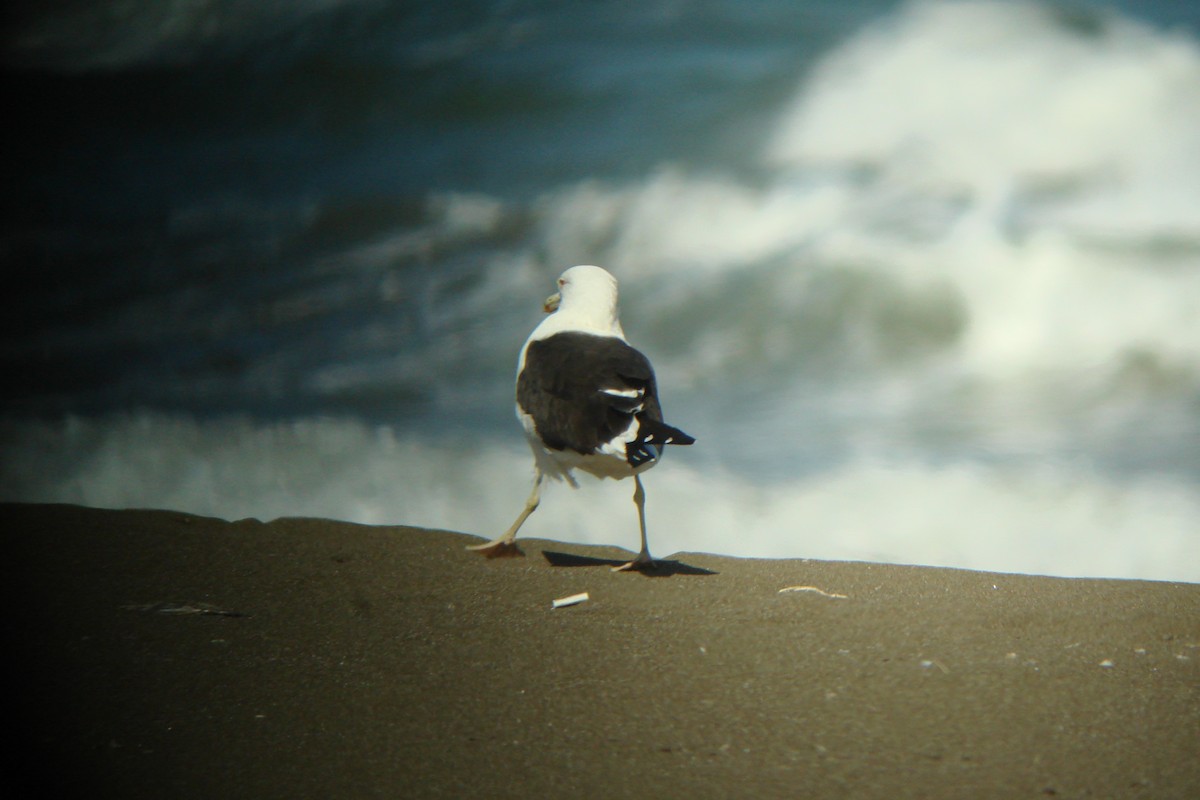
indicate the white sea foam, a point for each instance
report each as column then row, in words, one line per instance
column 673, row 222
column 1002, row 98
column 1041, row 521
column 1048, row 140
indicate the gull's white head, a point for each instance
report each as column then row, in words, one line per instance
column 586, row 300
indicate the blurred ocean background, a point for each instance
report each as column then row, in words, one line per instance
column 923, row 278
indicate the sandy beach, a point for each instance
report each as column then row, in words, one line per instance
column 162, row 655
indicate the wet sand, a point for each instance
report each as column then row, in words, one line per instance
column 162, row 655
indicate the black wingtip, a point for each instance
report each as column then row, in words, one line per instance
column 679, row 437
column 663, row 433
column 652, row 437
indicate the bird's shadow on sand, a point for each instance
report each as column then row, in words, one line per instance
column 662, row 568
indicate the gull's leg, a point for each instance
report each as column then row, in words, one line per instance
column 643, row 559
column 504, row 544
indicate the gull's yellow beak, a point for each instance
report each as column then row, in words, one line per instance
column 551, row 304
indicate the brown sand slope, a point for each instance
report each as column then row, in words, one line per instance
column 390, row 662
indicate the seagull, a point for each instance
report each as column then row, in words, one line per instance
column 587, row 401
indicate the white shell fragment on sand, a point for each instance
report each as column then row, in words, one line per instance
column 813, row 589
column 574, row 599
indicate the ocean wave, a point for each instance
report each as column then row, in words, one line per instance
column 929, row 214
column 114, row 35
column 944, row 312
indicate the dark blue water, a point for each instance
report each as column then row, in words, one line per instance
column 278, row 258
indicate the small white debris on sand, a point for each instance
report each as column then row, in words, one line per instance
column 813, row 589
column 574, row 599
